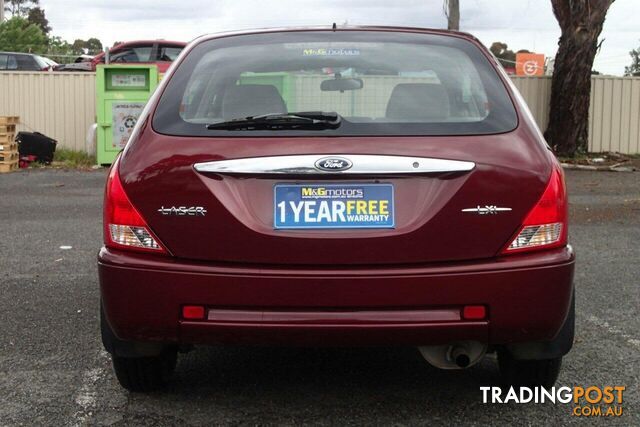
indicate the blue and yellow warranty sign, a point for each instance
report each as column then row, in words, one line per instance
column 333, row 206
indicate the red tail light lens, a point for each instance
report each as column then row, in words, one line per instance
column 546, row 225
column 474, row 312
column 193, row 312
column 124, row 227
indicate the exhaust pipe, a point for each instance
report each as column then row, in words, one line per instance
column 458, row 355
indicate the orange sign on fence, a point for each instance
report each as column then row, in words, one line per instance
column 529, row 64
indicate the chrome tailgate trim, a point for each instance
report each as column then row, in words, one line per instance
column 358, row 164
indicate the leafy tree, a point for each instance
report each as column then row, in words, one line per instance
column 634, row 68
column 506, row 56
column 78, row 47
column 94, row 46
column 18, row 35
column 37, row 17
column 64, row 52
column 581, row 23
column 59, row 50
column 19, row 8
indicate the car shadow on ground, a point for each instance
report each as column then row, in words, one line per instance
column 368, row 377
column 372, row 386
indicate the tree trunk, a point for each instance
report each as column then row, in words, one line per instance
column 581, row 23
column 453, row 15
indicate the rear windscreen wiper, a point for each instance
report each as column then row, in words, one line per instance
column 276, row 121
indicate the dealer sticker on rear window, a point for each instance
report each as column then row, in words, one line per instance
column 333, row 206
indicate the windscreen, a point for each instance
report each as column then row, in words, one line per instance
column 379, row 83
column 44, row 62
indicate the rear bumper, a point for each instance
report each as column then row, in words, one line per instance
column 527, row 297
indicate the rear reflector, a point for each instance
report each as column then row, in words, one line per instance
column 474, row 312
column 546, row 224
column 193, row 312
column 124, row 227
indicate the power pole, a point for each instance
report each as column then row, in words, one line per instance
column 452, row 11
column 1, row 10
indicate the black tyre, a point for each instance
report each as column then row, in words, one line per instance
column 144, row 374
column 528, row 373
column 139, row 367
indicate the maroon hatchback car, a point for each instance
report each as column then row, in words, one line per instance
column 365, row 186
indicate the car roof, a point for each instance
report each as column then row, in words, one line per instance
column 381, row 28
column 173, row 42
column 134, row 42
column 18, row 53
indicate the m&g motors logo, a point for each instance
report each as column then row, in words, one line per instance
column 331, row 193
column 593, row 401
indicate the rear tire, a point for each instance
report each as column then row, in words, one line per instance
column 528, row 373
column 144, row 374
column 140, row 367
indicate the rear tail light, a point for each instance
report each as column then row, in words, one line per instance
column 193, row 312
column 474, row 312
column 124, row 227
column 546, row 225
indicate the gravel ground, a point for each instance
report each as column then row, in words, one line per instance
column 53, row 370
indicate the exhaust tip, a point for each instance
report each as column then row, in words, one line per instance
column 456, row 355
column 462, row 360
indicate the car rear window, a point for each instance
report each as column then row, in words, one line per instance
column 169, row 53
column 133, row 54
column 381, row 83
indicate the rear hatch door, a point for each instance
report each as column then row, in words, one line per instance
column 223, row 213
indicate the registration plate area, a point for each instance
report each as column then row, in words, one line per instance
column 333, row 206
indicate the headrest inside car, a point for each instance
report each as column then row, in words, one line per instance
column 251, row 100
column 418, row 101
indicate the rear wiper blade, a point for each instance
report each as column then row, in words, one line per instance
column 275, row 121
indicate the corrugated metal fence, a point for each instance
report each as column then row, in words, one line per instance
column 615, row 115
column 62, row 106
column 614, row 111
column 59, row 105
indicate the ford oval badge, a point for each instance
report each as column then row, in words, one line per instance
column 333, row 164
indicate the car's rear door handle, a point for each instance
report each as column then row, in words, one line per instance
column 334, row 164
